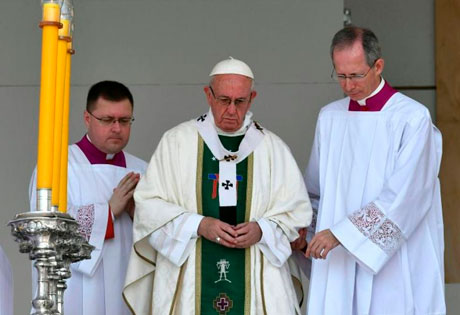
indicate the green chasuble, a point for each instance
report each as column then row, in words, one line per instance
column 223, row 278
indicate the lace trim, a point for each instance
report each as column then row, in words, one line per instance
column 85, row 217
column 373, row 224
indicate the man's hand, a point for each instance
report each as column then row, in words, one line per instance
column 249, row 233
column 300, row 243
column 217, row 231
column 321, row 244
column 122, row 195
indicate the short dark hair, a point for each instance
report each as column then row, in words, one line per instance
column 109, row 90
column 347, row 36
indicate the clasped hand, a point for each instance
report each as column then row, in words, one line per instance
column 243, row 235
column 122, row 197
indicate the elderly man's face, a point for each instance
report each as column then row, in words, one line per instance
column 110, row 137
column 229, row 97
column 351, row 61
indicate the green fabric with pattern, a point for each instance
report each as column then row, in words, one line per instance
column 214, row 256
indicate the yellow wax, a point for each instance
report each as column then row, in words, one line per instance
column 60, row 83
column 65, row 29
column 51, row 12
column 47, row 101
column 65, row 134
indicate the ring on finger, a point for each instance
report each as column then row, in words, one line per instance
column 218, row 239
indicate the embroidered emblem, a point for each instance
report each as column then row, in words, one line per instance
column 85, row 217
column 222, row 266
column 215, row 181
column 258, row 127
column 222, row 304
column 227, row 184
column 229, row 158
column 202, row 117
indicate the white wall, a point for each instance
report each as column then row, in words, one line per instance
column 163, row 50
column 405, row 30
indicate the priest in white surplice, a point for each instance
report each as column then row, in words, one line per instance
column 220, row 202
column 101, row 182
column 373, row 177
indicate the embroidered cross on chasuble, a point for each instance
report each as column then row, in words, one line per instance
column 223, row 276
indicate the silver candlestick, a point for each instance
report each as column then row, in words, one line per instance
column 52, row 239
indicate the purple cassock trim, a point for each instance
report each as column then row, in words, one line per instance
column 374, row 103
column 96, row 156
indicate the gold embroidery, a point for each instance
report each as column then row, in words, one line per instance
column 298, row 281
column 199, row 204
column 262, row 282
column 199, row 175
column 229, row 158
column 127, row 304
column 249, row 187
column 179, row 284
column 247, row 262
column 143, row 257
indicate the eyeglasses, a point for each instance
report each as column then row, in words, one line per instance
column 108, row 121
column 352, row 77
column 226, row 101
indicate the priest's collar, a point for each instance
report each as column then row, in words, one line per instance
column 375, row 101
column 378, row 89
column 244, row 127
column 96, row 156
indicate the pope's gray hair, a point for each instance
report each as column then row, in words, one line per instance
column 211, row 81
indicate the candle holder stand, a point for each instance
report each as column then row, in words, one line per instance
column 51, row 239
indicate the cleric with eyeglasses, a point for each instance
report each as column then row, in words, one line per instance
column 101, row 181
column 373, row 182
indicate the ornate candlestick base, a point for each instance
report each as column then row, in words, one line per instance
column 53, row 241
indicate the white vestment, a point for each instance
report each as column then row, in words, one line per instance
column 376, row 177
column 159, row 281
column 96, row 284
column 6, row 285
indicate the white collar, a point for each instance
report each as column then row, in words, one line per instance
column 253, row 136
column 108, row 156
column 378, row 89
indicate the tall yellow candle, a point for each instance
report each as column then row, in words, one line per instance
column 58, row 114
column 50, row 26
column 51, row 11
column 65, row 132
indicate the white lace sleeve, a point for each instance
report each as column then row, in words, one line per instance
column 370, row 236
column 92, row 219
column 375, row 232
column 374, row 225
